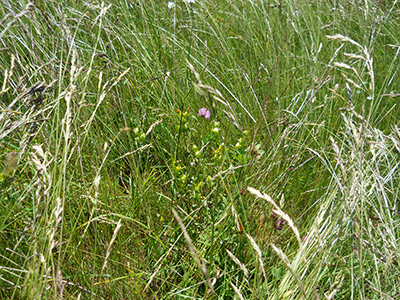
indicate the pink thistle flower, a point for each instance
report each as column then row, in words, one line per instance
column 204, row 112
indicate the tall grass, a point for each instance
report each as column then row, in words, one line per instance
column 113, row 187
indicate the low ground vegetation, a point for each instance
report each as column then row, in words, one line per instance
column 224, row 149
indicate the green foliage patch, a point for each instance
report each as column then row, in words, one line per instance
column 222, row 149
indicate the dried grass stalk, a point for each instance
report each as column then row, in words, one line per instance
column 285, row 260
column 238, row 262
column 193, row 252
column 257, row 249
column 237, row 291
column 279, row 212
column 110, row 244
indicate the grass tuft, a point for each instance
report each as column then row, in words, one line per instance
column 221, row 149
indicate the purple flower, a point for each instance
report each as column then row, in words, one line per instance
column 280, row 224
column 204, row 112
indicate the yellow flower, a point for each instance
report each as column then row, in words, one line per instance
column 218, row 150
column 197, row 187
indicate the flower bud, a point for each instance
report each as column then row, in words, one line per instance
column 136, row 131
column 183, row 177
column 210, row 180
column 215, row 130
column 197, row 187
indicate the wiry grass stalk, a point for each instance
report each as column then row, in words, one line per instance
column 201, row 265
column 117, row 227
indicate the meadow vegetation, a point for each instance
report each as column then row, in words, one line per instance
column 227, row 149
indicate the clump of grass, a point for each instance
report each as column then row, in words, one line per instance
column 114, row 186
